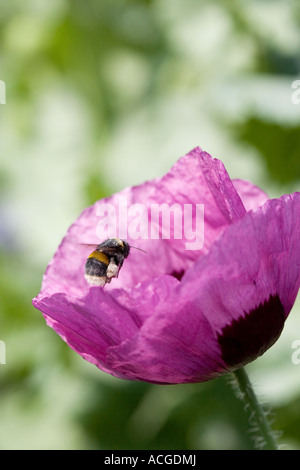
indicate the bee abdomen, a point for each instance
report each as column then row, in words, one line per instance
column 95, row 268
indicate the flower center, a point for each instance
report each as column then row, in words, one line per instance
column 178, row 274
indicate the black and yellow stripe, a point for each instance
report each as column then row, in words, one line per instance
column 95, row 268
column 100, row 256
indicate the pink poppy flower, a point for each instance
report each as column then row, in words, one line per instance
column 176, row 314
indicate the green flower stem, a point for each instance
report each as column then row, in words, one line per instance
column 266, row 437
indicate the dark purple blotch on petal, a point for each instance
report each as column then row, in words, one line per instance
column 252, row 334
column 178, row 274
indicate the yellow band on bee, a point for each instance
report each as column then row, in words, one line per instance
column 100, row 257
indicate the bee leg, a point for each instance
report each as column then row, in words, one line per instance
column 112, row 269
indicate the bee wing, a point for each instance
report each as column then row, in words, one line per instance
column 91, row 245
column 107, row 250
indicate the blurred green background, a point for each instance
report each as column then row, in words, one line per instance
column 102, row 94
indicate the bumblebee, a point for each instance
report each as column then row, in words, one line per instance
column 105, row 261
